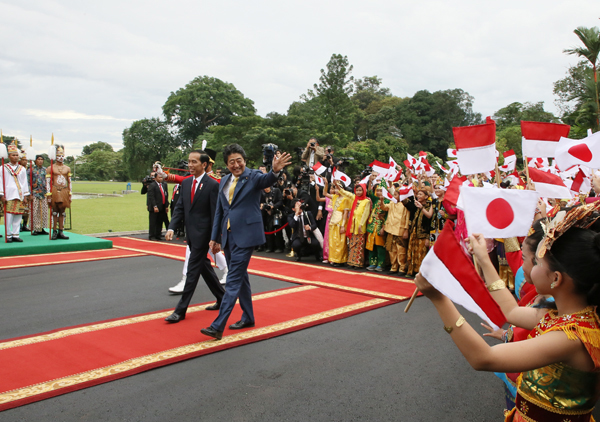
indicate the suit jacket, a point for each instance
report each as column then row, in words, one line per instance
column 199, row 215
column 155, row 198
column 244, row 212
column 297, row 226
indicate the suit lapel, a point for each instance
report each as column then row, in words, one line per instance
column 240, row 184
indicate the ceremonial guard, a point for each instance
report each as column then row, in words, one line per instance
column 26, row 204
column 39, row 206
column 14, row 191
column 58, row 185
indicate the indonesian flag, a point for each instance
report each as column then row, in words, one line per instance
column 548, row 185
column 584, row 151
column 515, row 179
column 380, row 168
column 476, row 147
column 498, row 213
column 453, row 190
column 422, row 154
column 388, row 195
column 406, row 192
column 452, row 153
column 319, row 180
column 338, row 175
column 452, row 273
column 319, row 168
column 510, row 161
column 541, row 139
column 581, row 183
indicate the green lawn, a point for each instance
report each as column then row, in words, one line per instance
column 103, row 214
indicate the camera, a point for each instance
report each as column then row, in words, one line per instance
column 148, row 179
column 268, row 153
column 267, row 206
column 303, row 206
column 313, row 144
column 366, row 172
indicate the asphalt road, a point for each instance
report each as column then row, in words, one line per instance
column 382, row 365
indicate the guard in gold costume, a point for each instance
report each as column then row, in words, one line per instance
column 58, row 185
column 560, row 360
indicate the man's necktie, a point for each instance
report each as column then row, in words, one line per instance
column 162, row 192
column 231, row 191
column 194, row 189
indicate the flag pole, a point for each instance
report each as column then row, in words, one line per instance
column 497, row 175
column 526, row 170
column 412, row 299
column 4, row 190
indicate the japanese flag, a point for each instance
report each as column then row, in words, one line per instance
column 319, row 180
column 476, row 147
column 422, row 154
column 498, row 213
column 393, row 163
column 442, row 168
column 319, row 168
column 452, row 273
column 452, row 153
column 541, row 139
column 338, row 175
column 391, row 174
column 581, row 183
column 548, row 185
column 584, row 151
column 388, row 195
column 412, row 160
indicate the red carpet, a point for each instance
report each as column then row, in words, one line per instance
column 372, row 284
column 24, row 261
column 46, row 365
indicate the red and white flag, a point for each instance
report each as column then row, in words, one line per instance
column 453, row 274
column 541, row 139
column 515, row 179
column 498, row 213
column 548, row 185
column 442, row 168
column 580, row 184
column 510, row 161
column 319, row 168
column 388, row 195
column 338, row 175
column 584, row 151
column 412, row 160
column 405, row 192
column 452, row 153
column 380, row 168
column 426, row 167
column 453, row 191
column 476, row 147
column 539, row 162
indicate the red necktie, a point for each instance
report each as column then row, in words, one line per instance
column 162, row 192
column 194, row 188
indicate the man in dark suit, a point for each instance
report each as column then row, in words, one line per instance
column 197, row 204
column 158, row 206
column 304, row 225
column 238, row 229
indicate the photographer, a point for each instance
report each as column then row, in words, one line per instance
column 289, row 196
column 303, row 224
column 313, row 153
column 271, row 203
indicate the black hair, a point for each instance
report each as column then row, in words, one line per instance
column 233, row 149
column 38, row 156
column 577, row 253
column 204, row 157
column 533, row 239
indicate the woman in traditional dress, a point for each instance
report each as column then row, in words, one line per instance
column 375, row 233
column 560, row 360
column 329, row 210
column 420, row 227
column 357, row 224
column 338, row 249
column 396, row 226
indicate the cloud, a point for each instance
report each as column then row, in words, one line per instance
column 50, row 115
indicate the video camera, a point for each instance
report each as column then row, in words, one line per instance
column 148, row 179
column 268, row 154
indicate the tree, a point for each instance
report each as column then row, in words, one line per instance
column 335, row 110
column 204, row 102
column 102, row 146
column 102, row 164
column 590, row 37
column 146, row 141
column 512, row 114
column 368, row 90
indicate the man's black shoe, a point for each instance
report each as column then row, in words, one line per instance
column 62, row 236
column 34, row 233
column 16, row 239
column 214, row 307
column 25, row 229
column 278, row 250
column 173, row 318
column 269, row 250
column 54, row 234
column 298, row 258
column 211, row 332
column 241, row 324
column 43, row 232
column 8, row 239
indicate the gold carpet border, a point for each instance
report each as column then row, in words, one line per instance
column 165, row 255
column 329, row 285
column 129, row 321
column 73, row 261
column 131, row 364
column 337, row 270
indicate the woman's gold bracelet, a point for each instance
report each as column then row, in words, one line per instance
column 459, row 323
column 496, row 285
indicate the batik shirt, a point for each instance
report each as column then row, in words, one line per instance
column 39, row 182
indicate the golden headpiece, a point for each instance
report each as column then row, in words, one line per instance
column 12, row 148
column 60, row 150
column 582, row 216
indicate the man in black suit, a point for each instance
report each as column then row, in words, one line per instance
column 197, row 203
column 303, row 224
column 158, row 206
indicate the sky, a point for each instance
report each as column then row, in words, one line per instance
column 85, row 71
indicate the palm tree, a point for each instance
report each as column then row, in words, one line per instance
column 590, row 37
